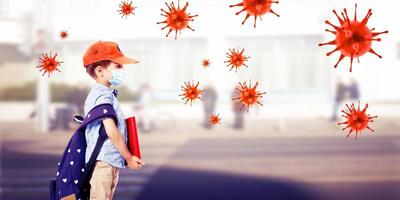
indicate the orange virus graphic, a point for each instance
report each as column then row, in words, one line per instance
column 353, row 37
column 63, row 34
column 214, row 119
column 176, row 18
column 205, row 63
column 356, row 119
column 48, row 63
column 236, row 59
column 191, row 92
column 248, row 95
column 126, row 8
column 256, row 8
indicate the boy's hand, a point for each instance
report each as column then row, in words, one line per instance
column 135, row 163
column 116, row 139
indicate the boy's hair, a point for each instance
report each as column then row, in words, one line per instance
column 91, row 67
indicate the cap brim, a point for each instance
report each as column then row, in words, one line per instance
column 125, row 60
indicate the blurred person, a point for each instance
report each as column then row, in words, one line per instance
column 340, row 94
column 144, row 107
column 77, row 98
column 353, row 90
column 209, row 97
column 238, row 111
column 104, row 61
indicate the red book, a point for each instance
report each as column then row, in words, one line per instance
column 133, row 141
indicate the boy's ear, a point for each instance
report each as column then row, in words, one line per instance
column 98, row 71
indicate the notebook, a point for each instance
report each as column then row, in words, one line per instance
column 133, row 141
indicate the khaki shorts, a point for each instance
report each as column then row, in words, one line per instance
column 104, row 181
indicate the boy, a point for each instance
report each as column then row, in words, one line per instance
column 104, row 63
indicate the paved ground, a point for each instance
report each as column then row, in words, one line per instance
column 294, row 159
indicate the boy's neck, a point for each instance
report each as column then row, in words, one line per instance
column 105, row 83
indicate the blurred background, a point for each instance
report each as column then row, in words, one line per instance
column 289, row 148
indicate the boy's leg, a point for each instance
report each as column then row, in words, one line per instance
column 114, row 181
column 103, row 182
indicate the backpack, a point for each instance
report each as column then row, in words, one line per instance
column 73, row 175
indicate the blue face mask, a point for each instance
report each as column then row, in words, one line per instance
column 117, row 77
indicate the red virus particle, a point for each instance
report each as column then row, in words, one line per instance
column 48, row 63
column 63, row 34
column 356, row 119
column 248, row 95
column 256, row 8
column 353, row 37
column 176, row 18
column 236, row 59
column 191, row 92
column 126, row 8
column 205, row 63
column 214, row 119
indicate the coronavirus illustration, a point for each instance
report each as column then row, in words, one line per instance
column 63, row 34
column 191, row 92
column 356, row 119
column 214, row 119
column 236, row 59
column 248, row 95
column 255, row 8
column 126, row 8
column 205, row 63
column 177, row 18
column 48, row 63
column 353, row 38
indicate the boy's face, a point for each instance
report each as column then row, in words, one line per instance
column 104, row 74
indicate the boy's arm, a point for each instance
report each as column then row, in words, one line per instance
column 116, row 139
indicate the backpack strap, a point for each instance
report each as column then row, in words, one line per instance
column 98, row 112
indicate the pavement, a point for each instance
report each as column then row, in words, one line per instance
column 268, row 159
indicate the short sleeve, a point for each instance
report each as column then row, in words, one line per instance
column 104, row 98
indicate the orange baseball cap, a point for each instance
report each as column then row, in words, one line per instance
column 105, row 50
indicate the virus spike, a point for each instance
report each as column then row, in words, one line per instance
column 214, row 119
column 346, row 16
column 353, row 38
column 238, row 4
column 248, row 95
column 378, row 33
column 372, row 130
column 245, row 19
column 355, row 13
column 169, row 8
column 255, row 8
column 273, row 12
column 126, row 9
column 186, row 5
column 373, row 52
column 177, row 18
column 236, row 59
column 328, row 43
column 337, row 28
column 191, row 92
column 356, row 119
column 48, row 63
column 367, row 16
column 334, row 50
column 340, row 19
column 189, row 28
column 164, row 27
column 340, row 59
column 63, row 34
